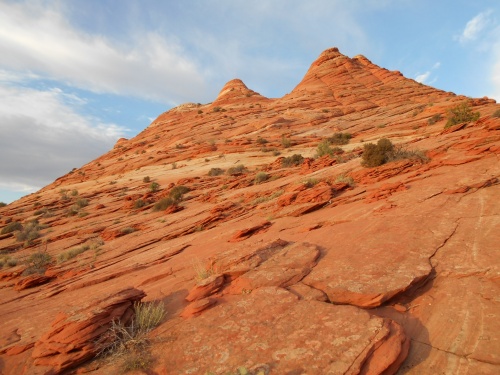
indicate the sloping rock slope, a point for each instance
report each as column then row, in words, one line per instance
column 265, row 256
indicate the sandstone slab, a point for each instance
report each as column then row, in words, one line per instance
column 271, row 329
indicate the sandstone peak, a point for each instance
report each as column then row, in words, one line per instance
column 235, row 90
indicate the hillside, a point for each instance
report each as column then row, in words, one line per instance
column 264, row 254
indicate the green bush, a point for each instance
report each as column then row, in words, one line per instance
column 384, row 151
column 177, row 192
column 293, row 160
column 154, row 187
column 261, row 177
column 460, row 114
column 139, row 203
column 82, row 202
column 11, row 227
column 146, row 180
column 163, row 204
column 340, row 139
column 215, row 171
column 3, row 204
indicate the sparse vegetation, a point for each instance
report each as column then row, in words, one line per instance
column 344, row 179
column 262, row 141
column 130, row 344
column 177, row 192
column 435, row 118
column 310, row 182
column 495, row 114
column 215, row 171
column 11, row 227
column 286, row 142
column 29, row 233
column 261, row 177
column 8, row 262
column 163, row 204
column 139, row 203
column 127, row 230
column 72, row 253
column 460, row 114
column 203, row 271
column 340, row 139
column 292, row 161
column 38, row 263
column 146, row 180
column 234, row 171
column 154, row 187
column 384, row 151
column 3, row 204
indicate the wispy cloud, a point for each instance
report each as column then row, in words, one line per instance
column 424, row 77
column 475, row 26
column 43, row 136
column 150, row 66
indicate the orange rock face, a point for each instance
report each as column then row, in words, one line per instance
column 265, row 256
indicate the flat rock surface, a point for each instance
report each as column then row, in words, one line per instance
column 271, row 329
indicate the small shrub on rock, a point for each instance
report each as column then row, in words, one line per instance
column 496, row 114
column 29, row 233
column 215, row 171
column 340, row 139
column 261, row 177
column 460, row 114
column 11, row 227
column 163, row 204
column 292, row 161
column 177, row 192
column 154, row 187
column 38, row 263
column 234, row 171
column 435, row 118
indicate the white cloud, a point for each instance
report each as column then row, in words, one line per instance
column 424, row 77
column 43, row 137
column 36, row 38
column 475, row 26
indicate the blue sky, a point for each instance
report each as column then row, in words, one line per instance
column 77, row 75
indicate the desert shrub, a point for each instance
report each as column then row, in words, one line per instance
column 72, row 253
column 73, row 210
column 38, row 263
column 435, row 118
column 154, row 187
column 261, row 177
column 74, row 192
column 261, row 141
column 215, row 171
column 11, row 227
column 29, row 233
column 460, row 114
column 344, row 179
column 496, row 113
column 233, row 171
column 375, row 155
column 82, row 202
column 139, row 203
column 146, row 180
column 177, row 192
column 127, row 230
column 8, row 262
column 3, row 204
column 130, row 344
column 384, row 151
column 340, row 139
column 324, row 148
column 163, row 204
column 286, row 142
column 293, row 160
column 310, row 182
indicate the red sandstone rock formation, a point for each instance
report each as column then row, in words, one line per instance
column 325, row 266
